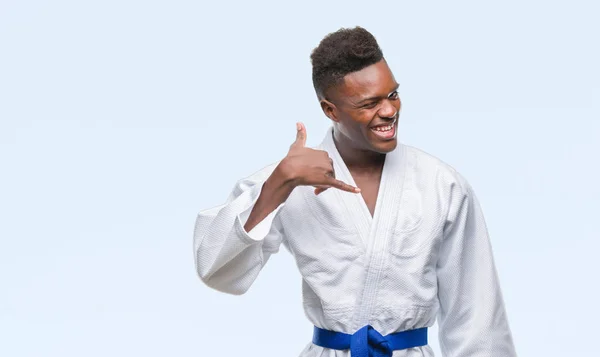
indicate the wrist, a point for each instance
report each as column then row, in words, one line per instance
column 284, row 176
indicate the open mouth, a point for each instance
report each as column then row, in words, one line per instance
column 385, row 131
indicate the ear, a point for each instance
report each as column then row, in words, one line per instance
column 329, row 109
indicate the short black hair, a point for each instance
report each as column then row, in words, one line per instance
column 341, row 52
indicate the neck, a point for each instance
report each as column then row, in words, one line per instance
column 357, row 158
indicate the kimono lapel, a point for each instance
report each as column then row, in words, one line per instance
column 386, row 207
column 382, row 226
column 388, row 198
column 374, row 231
column 353, row 203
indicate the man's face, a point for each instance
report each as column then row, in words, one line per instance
column 367, row 108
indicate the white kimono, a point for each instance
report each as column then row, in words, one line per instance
column 424, row 254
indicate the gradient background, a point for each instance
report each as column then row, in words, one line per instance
column 120, row 120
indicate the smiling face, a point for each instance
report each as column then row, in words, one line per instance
column 365, row 108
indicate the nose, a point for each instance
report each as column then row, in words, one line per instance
column 388, row 110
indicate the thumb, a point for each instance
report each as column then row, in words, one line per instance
column 300, row 135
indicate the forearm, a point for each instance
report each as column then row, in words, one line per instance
column 275, row 191
column 228, row 258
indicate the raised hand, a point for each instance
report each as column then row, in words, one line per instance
column 310, row 167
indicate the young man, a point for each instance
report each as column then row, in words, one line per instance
column 386, row 237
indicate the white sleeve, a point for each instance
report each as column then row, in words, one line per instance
column 227, row 257
column 472, row 320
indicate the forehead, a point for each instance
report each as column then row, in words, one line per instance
column 374, row 80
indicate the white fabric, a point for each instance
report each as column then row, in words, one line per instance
column 425, row 254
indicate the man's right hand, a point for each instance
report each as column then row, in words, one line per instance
column 309, row 167
column 302, row 166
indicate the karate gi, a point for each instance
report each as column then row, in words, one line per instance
column 424, row 254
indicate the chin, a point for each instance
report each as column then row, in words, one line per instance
column 385, row 147
column 382, row 146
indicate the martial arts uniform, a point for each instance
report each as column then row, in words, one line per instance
column 424, row 254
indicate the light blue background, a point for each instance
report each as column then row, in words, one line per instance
column 120, row 120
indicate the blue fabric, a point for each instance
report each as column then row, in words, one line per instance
column 367, row 342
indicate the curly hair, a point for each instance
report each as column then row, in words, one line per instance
column 341, row 52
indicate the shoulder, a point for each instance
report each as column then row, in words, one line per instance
column 446, row 175
column 258, row 177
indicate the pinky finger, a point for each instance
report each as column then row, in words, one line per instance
column 319, row 190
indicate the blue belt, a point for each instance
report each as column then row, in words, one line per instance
column 367, row 342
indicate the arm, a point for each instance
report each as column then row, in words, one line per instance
column 233, row 242
column 472, row 319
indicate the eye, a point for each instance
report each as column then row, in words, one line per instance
column 369, row 105
column 393, row 95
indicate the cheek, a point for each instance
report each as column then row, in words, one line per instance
column 362, row 118
column 355, row 125
column 358, row 125
column 361, row 133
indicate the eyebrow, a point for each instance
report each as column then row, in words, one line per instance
column 363, row 101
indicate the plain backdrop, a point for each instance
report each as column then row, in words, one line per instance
column 120, row 120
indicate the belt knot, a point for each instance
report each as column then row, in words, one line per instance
column 369, row 342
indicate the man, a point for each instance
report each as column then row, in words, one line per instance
column 386, row 237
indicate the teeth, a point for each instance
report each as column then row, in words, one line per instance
column 383, row 128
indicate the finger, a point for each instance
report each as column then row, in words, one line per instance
column 341, row 185
column 300, row 135
column 320, row 190
column 332, row 167
column 331, row 172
